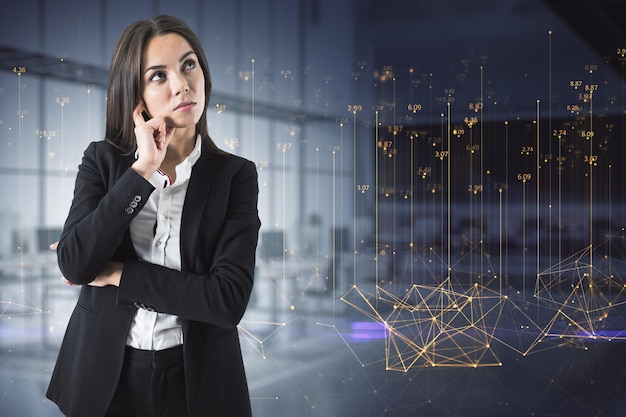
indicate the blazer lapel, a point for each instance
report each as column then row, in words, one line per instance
column 196, row 199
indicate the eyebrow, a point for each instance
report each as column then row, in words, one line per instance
column 181, row 59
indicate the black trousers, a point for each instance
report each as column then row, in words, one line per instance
column 152, row 384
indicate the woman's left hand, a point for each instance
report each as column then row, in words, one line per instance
column 110, row 275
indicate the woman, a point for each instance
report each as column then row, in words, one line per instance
column 161, row 234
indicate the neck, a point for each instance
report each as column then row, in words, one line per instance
column 180, row 146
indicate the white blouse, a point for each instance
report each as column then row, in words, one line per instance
column 155, row 233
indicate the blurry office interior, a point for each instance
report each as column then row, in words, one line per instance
column 440, row 192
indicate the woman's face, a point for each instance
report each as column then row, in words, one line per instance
column 173, row 81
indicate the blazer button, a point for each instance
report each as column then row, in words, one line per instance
column 137, row 198
column 130, row 210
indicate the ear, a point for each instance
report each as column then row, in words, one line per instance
column 143, row 110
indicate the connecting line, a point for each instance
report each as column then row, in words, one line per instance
column 344, row 341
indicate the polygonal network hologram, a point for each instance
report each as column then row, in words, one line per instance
column 585, row 292
column 450, row 324
column 428, row 326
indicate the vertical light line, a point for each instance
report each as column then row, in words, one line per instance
column 64, row 100
column 609, row 239
column 538, row 167
column 340, row 150
column 392, row 149
column 284, row 244
column 560, row 200
column 471, row 197
column 89, row 89
column 43, row 160
column 20, row 115
column 376, row 213
column 449, row 195
column 442, row 200
column 449, row 192
column 411, row 216
column 354, row 190
column 524, row 238
column 411, row 181
column 500, row 239
column 337, row 253
column 317, row 224
column 334, row 228
column 304, row 18
column 591, row 164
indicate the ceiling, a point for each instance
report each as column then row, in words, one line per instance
column 601, row 23
column 524, row 50
column 447, row 41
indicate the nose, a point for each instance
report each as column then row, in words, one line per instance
column 179, row 84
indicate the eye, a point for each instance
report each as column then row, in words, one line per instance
column 157, row 76
column 189, row 65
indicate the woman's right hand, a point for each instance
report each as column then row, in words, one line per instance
column 153, row 136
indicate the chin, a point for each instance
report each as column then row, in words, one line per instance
column 183, row 122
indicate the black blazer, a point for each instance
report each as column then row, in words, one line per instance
column 219, row 233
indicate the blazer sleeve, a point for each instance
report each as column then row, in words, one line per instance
column 220, row 295
column 100, row 213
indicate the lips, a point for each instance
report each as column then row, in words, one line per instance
column 185, row 106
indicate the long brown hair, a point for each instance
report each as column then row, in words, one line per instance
column 124, row 89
